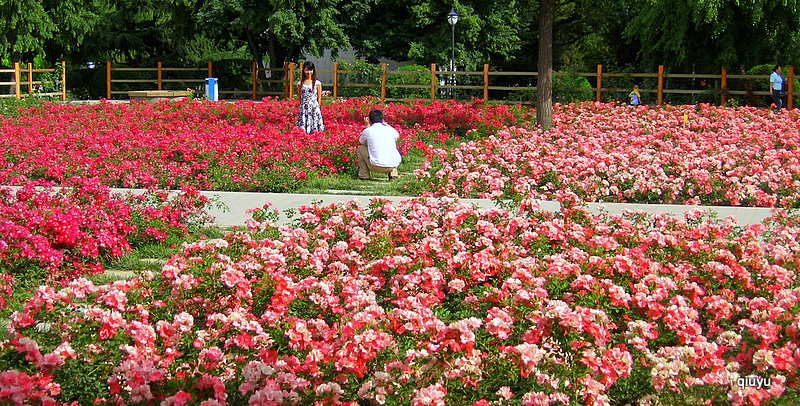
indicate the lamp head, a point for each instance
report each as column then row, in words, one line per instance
column 452, row 17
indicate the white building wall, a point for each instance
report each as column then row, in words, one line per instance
column 324, row 64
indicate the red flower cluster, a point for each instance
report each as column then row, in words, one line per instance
column 73, row 231
column 434, row 302
column 242, row 146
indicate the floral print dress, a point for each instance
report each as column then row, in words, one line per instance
column 310, row 118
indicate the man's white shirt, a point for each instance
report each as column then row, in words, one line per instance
column 381, row 139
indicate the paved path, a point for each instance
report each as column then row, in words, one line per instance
column 239, row 202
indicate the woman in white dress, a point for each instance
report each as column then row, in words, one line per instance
column 310, row 93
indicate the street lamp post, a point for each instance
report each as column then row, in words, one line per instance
column 452, row 18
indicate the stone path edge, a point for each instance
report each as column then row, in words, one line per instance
column 237, row 204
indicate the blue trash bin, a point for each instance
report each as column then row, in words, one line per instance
column 212, row 89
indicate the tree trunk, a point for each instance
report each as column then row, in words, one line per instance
column 544, row 79
column 273, row 54
column 256, row 51
column 278, row 54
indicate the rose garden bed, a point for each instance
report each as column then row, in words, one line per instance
column 431, row 303
column 243, row 146
column 426, row 302
column 604, row 152
column 55, row 235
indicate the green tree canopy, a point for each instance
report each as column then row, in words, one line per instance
column 703, row 34
column 695, row 35
column 418, row 30
column 26, row 27
column 283, row 29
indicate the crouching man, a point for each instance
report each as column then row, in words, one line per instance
column 378, row 150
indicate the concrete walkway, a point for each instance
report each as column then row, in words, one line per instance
column 239, row 202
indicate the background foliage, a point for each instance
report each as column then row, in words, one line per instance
column 695, row 35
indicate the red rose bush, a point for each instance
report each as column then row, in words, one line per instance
column 242, row 146
column 55, row 235
column 430, row 302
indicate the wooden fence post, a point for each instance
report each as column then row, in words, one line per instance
column 723, row 91
column 17, row 78
column 660, row 84
column 599, row 95
column 290, row 80
column 286, row 82
column 335, row 80
column 433, row 81
column 30, row 78
column 210, row 70
column 63, row 80
column 255, row 79
column 790, row 94
column 485, row 82
column 108, row 80
column 383, row 83
column 159, row 75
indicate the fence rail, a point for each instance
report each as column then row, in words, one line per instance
column 32, row 86
column 433, row 83
column 444, row 83
column 145, row 75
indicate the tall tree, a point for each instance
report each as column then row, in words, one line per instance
column 138, row 32
column 25, row 26
column 544, row 79
column 283, row 29
column 703, row 35
column 82, row 30
column 585, row 33
column 418, row 31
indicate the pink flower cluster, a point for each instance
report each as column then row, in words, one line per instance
column 613, row 153
column 242, row 146
column 433, row 303
column 72, row 231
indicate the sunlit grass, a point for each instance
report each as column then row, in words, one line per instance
column 106, row 278
column 379, row 185
column 152, row 256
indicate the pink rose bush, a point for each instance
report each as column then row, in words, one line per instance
column 614, row 153
column 242, row 146
column 56, row 235
column 430, row 303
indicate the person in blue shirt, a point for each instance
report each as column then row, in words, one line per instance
column 776, row 87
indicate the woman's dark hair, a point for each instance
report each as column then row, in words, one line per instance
column 375, row 116
column 776, row 68
column 308, row 65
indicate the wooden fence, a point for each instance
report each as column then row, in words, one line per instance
column 29, row 85
column 486, row 84
column 152, row 78
column 177, row 78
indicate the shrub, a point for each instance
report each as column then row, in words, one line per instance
column 764, row 85
column 568, row 87
column 430, row 300
column 418, row 76
column 55, row 235
column 359, row 78
column 13, row 107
